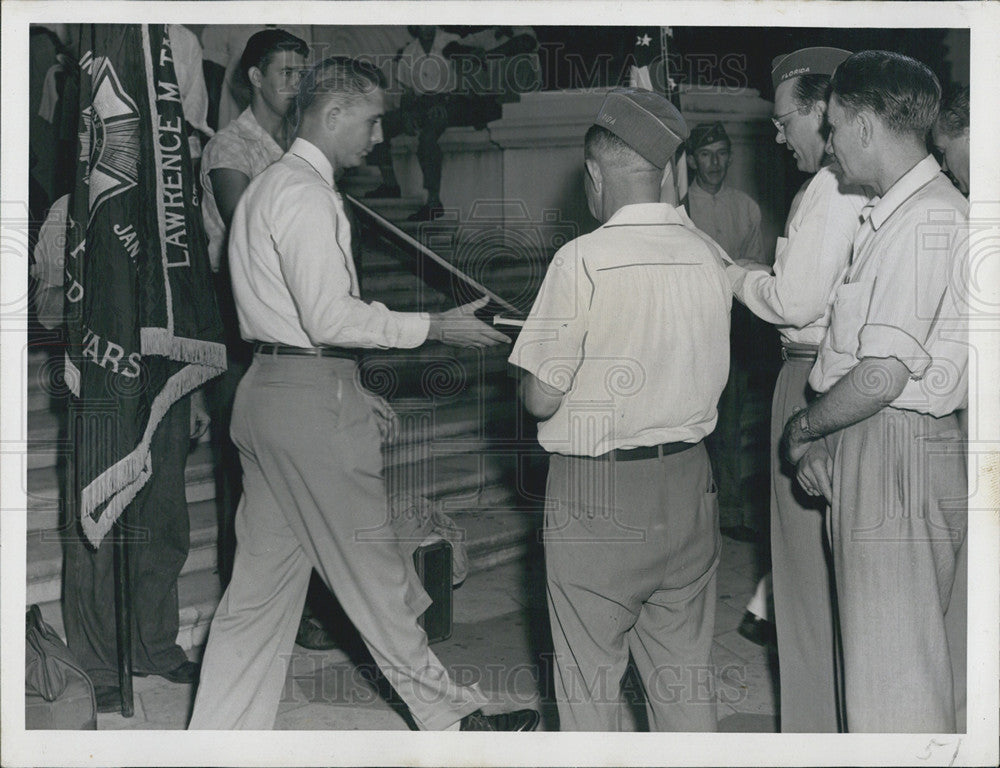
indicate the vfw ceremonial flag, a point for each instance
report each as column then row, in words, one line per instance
column 650, row 70
column 143, row 325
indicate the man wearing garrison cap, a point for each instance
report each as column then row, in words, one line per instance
column 732, row 219
column 625, row 354
column 810, row 260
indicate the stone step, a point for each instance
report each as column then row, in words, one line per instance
column 501, row 538
column 198, row 594
column 484, row 513
column 395, row 209
column 44, row 560
column 464, row 412
column 463, row 462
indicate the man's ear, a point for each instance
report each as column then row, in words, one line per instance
column 594, row 171
column 866, row 127
column 331, row 114
column 256, row 76
column 690, row 161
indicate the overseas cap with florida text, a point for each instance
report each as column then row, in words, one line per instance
column 645, row 121
column 806, row 61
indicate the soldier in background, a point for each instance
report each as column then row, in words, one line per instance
column 732, row 218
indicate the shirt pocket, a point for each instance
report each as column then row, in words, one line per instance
column 850, row 308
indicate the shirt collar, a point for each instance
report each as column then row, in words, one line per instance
column 248, row 118
column 697, row 189
column 249, row 121
column 919, row 175
column 644, row 213
column 309, row 152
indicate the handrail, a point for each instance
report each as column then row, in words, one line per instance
column 384, row 223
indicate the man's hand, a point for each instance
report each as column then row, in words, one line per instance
column 815, row 471
column 388, row 421
column 461, row 328
column 199, row 415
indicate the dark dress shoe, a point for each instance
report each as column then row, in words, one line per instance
column 185, row 672
column 383, row 191
column 756, row 630
column 313, row 636
column 109, row 698
column 427, row 212
column 519, row 720
column 740, row 533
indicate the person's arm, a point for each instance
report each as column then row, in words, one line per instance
column 808, row 265
column 551, row 342
column 752, row 249
column 315, row 271
column 540, row 399
column 866, row 389
column 228, row 186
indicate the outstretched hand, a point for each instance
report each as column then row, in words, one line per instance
column 460, row 327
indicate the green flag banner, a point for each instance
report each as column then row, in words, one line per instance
column 142, row 319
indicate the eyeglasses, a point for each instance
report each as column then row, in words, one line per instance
column 777, row 120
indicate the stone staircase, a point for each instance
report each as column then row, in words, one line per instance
column 463, row 443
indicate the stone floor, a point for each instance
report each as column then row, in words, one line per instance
column 499, row 640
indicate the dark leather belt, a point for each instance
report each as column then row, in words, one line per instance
column 644, row 452
column 799, row 352
column 260, row 348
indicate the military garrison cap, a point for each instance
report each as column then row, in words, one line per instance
column 704, row 134
column 806, row 61
column 644, row 120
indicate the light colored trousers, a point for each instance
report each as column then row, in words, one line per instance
column 314, row 497
column 631, row 552
column 802, row 579
column 897, row 527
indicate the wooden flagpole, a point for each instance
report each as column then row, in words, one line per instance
column 399, row 234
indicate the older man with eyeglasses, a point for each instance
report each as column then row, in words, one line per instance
column 809, row 261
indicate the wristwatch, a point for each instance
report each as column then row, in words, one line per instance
column 801, row 422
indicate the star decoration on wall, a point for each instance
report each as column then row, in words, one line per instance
column 643, row 40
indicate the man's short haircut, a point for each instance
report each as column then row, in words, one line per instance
column 954, row 114
column 262, row 47
column 809, row 89
column 901, row 91
column 338, row 77
column 602, row 145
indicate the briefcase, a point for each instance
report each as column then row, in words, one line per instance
column 433, row 563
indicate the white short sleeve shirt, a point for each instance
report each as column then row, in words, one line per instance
column 900, row 295
column 632, row 322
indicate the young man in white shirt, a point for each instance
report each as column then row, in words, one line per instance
column 310, row 435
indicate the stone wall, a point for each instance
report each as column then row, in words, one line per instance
column 532, row 158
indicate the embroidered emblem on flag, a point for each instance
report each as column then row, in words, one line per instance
column 109, row 141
